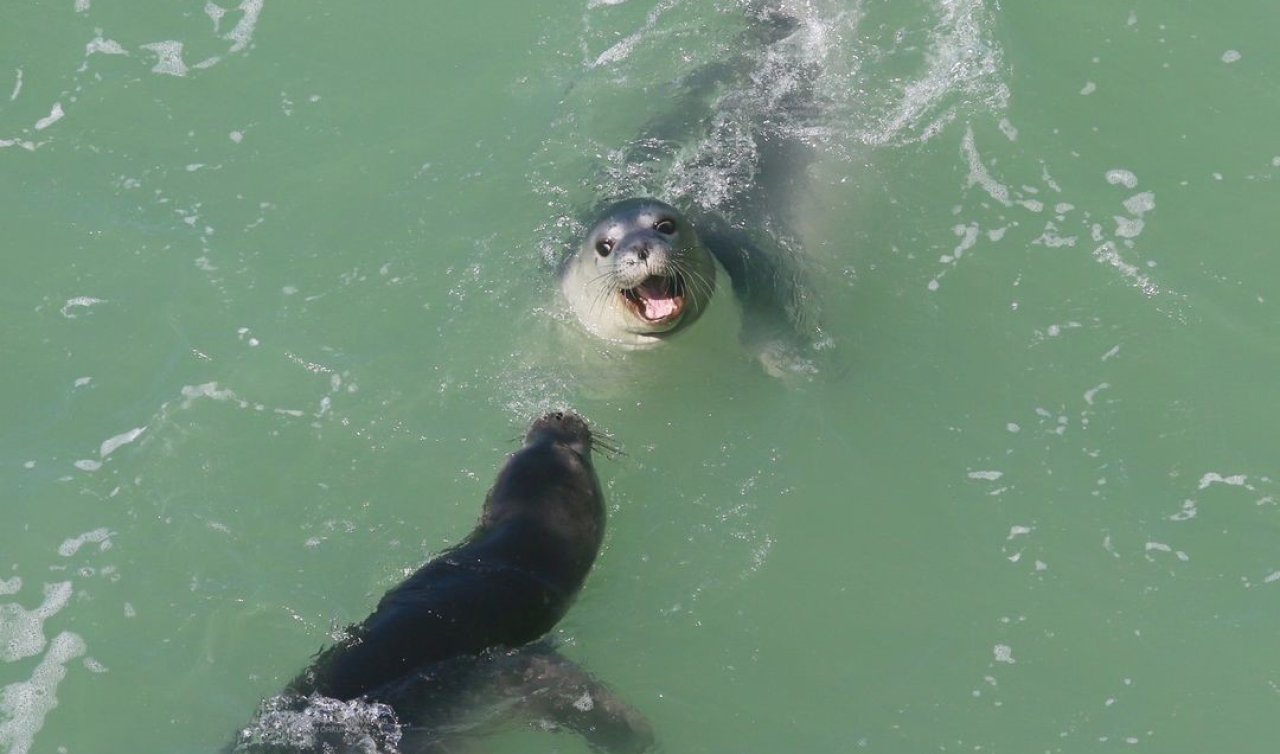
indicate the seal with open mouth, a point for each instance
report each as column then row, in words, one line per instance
column 640, row 274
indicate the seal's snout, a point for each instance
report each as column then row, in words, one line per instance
column 639, row 250
column 564, row 427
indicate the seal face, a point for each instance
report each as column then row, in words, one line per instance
column 466, row 625
column 640, row 274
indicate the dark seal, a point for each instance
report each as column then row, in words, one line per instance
column 463, row 631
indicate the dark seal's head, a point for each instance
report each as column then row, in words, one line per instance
column 550, row 488
column 640, row 273
column 562, row 427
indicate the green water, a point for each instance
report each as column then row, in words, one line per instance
column 1028, row 504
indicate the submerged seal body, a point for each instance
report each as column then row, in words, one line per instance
column 461, row 630
column 732, row 153
column 640, row 274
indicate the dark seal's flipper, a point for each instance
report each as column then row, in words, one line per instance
column 555, row 690
column 439, row 709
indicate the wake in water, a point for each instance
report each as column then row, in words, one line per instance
column 737, row 108
column 729, row 114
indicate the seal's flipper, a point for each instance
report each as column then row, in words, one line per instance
column 778, row 311
column 553, row 689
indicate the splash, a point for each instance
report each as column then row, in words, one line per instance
column 962, row 69
column 322, row 724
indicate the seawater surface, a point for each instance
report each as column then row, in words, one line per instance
column 277, row 297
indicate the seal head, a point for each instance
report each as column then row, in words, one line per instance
column 640, row 274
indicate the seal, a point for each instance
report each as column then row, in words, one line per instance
column 727, row 160
column 640, row 274
column 465, row 626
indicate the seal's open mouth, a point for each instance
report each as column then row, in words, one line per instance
column 658, row 299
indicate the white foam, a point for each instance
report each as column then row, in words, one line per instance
column 82, row 381
column 1231, row 56
column 56, row 114
column 366, row 726
column 1122, row 177
column 168, row 58
column 78, row 302
column 11, row 586
column 206, row 390
column 242, row 33
column 82, row 6
column 978, row 175
column 1140, row 204
column 1162, row 547
column 22, row 630
column 26, row 703
column 968, row 237
column 989, row 476
column 215, row 13
column 100, row 46
column 1092, row 392
column 963, row 58
column 1107, row 254
column 1003, row 653
column 17, row 85
column 1213, row 477
column 110, row 444
column 1128, row 227
column 87, row 464
column 1088, row 88
column 100, row 537
column 1050, row 238
column 1188, row 512
column 1018, row 531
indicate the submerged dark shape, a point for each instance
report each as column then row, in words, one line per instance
column 463, row 631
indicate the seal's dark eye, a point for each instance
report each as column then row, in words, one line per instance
column 665, row 226
column 604, row 246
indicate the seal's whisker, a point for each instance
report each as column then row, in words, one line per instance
column 698, row 283
column 607, row 443
column 601, row 298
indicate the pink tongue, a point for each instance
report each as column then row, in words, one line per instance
column 657, row 300
column 659, row 308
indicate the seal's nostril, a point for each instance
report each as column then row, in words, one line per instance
column 643, row 252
